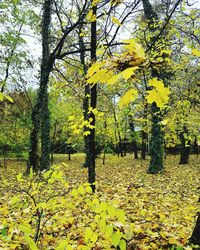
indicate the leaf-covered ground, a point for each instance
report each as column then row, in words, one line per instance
column 160, row 209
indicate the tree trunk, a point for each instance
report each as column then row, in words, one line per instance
column 157, row 139
column 156, row 142
column 86, row 96
column 195, row 238
column 196, row 147
column 34, row 139
column 185, row 147
column 144, row 145
column 91, row 137
column 40, row 113
column 144, row 129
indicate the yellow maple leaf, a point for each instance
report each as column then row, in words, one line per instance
column 128, row 97
column 94, row 68
column 127, row 73
column 159, row 94
column 131, row 46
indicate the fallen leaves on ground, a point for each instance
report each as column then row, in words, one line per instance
column 160, row 209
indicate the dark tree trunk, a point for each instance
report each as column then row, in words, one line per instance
column 196, row 147
column 144, row 133
column 40, row 113
column 156, row 142
column 144, row 145
column 157, row 139
column 93, row 104
column 133, row 135
column 195, row 238
column 104, row 157
column 135, row 150
column 185, row 147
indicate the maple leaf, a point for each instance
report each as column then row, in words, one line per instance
column 159, row 94
column 128, row 97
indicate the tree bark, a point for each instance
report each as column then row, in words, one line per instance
column 86, row 96
column 93, row 104
column 40, row 113
column 156, row 142
column 185, row 147
column 157, row 139
column 195, row 238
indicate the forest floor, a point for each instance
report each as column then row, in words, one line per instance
column 160, row 210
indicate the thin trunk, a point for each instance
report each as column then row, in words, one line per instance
column 104, row 157
column 133, row 135
column 86, row 96
column 196, row 147
column 185, row 147
column 119, row 135
column 144, row 144
column 93, row 104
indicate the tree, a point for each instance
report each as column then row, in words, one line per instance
column 40, row 114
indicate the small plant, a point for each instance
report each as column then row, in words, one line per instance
column 46, row 212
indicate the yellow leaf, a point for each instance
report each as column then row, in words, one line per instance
column 116, row 21
column 108, row 231
column 91, row 17
column 81, row 190
column 127, row 73
column 88, row 189
column 94, row 68
column 122, row 244
column 30, row 242
column 159, row 94
column 135, row 48
column 88, row 235
column 128, row 97
column 116, row 239
column 196, row 52
column 26, row 229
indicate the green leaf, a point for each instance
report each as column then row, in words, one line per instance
column 4, row 232
column 19, row 177
column 88, row 235
column 26, row 229
column 109, row 231
column 1, row 96
column 8, row 98
column 31, row 173
column 31, row 243
column 116, row 239
column 122, row 244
